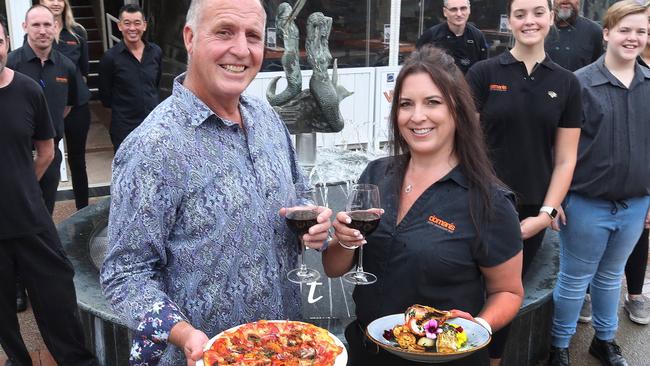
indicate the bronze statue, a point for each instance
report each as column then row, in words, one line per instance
column 315, row 109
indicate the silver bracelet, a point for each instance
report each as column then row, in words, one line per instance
column 350, row 247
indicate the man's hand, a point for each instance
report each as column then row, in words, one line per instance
column 190, row 340
column 318, row 233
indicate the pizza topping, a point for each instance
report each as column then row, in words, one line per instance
column 273, row 343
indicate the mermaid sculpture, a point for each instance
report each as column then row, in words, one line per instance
column 315, row 109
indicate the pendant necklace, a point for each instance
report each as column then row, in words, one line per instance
column 408, row 188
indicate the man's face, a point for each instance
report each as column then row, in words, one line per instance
column 39, row 26
column 457, row 12
column 565, row 9
column 225, row 47
column 132, row 26
column 4, row 48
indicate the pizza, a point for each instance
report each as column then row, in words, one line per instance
column 273, row 343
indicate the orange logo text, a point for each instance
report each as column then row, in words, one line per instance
column 447, row 226
column 497, row 87
column 61, row 80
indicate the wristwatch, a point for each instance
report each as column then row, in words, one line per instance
column 551, row 211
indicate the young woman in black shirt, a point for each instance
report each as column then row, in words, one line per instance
column 438, row 173
column 530, row 111
column 72, row 42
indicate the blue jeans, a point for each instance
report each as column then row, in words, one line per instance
column 594, row 246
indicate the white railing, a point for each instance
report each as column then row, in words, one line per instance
column 109, row 30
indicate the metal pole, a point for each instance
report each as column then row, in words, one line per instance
column 393, row 48
column 16, row 10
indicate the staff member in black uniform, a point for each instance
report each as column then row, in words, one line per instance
column 575, row 41
column 129, row 75
column 56, row 74
column 439, row 173
column 72, row 42
column 29, row 243
column 530, row 111
column 462, row 40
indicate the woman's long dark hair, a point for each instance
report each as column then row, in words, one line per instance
column 469, row 143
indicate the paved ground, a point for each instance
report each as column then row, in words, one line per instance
column 634, row 339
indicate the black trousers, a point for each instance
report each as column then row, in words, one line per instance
column 50, row 181
column 531, row 246
column 47, row 274
column 636, row 265
column 119, row 133
column 76, row 125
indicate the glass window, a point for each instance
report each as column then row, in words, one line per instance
column 356, row 38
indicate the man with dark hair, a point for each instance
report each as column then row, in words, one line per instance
column 29, row 243
column 129, row 75
column 462, row 40
column 575, row 41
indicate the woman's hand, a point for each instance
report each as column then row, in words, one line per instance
column 347, row 235
column 560, row 219
column 647, row 220
column 534, row 224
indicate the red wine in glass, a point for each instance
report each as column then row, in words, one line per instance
column 299, row 221
column 364, row 221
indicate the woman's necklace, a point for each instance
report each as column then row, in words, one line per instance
column 408, row 188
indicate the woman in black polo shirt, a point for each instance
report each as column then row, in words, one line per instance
column 530, row 110
column 72, row 42
column 439, row 173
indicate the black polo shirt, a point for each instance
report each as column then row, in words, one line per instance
column 57, row 76
column 466, row 49
column 25, row 117
column 432, row 257
column 128, row 86
column 520, row 114
column 75, row 47
column 575, row 45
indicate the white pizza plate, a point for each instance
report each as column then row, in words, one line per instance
column 477, row 338
column 341, row 360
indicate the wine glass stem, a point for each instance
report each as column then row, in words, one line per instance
column 360, row 262
column 303, row 267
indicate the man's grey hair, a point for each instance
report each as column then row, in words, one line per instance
column 445, row 3
column 193, row 13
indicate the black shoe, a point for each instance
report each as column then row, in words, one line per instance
column 21, row 299
column 609, row 353
column 558, row 357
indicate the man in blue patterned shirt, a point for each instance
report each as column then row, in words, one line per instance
column 196, row 242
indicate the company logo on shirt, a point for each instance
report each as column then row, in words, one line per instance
column 71, row 42
column 552, row 94
column 498, row 87
column 442, row 224
column 61, row 79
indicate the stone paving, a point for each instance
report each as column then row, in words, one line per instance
column 634, row 339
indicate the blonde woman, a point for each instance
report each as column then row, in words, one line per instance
column 607, row 204
column 72, row 42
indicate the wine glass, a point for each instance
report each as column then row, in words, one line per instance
column 363, row 208
column 300, row 216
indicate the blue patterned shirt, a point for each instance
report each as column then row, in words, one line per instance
column 194, row 228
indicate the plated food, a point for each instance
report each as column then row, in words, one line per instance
column 426, row 329
column 275, row 343
column 405, row 335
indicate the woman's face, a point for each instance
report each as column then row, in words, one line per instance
column 627, row 39
column 647, row 45
column 530, row 21
column 56, row 6
column 424, row 119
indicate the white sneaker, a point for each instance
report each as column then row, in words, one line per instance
column 637, row 310
column 585, row 311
